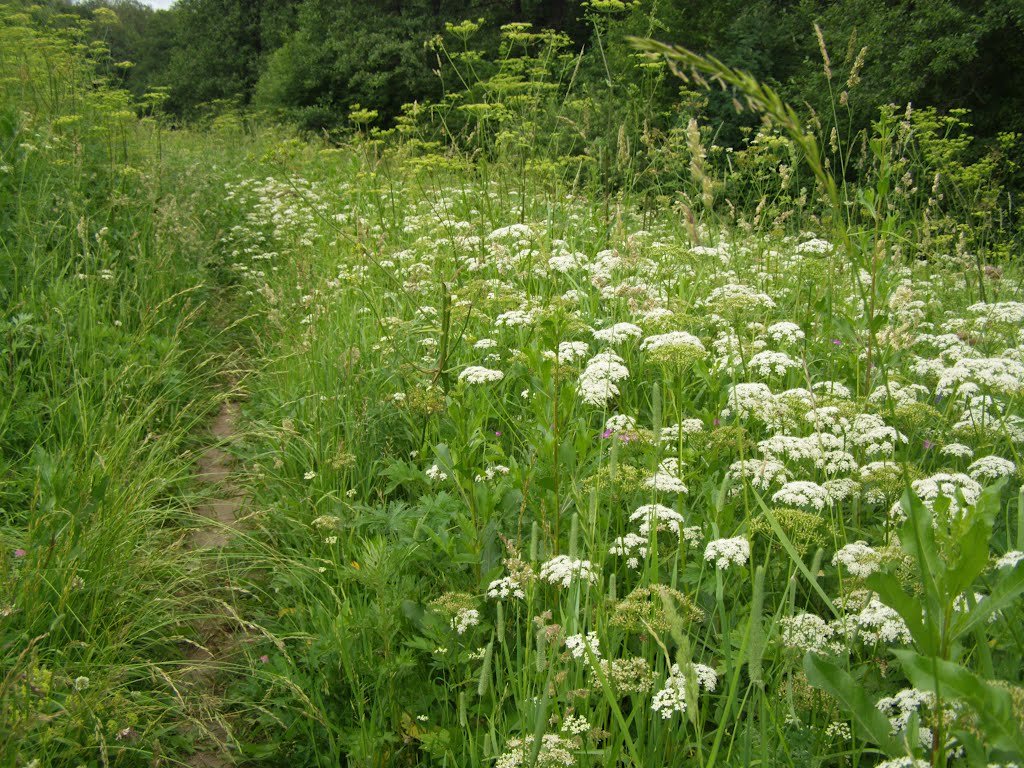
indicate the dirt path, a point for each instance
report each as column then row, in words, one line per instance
column 216, row 633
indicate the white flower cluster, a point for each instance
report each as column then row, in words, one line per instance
column 802, row 493
column 806, row 632
column 666, row 478
column 726, row 552
column 949, row 485
column 465, row 619
column 957, row 451
column 751, row 401
column 597, row 382
column 577, row 725
column 875, row 623
column 659, row 516
column 870, row 433
column 858, row 558
column 492, row 472
column 671, row 434
column 760, row 473
column 436, row 474
column 680, row 340
column 617, row 333
column 785, row 332
column 734, row 299
column 563, row 570
column 477, row 374
column 632, row 546
column 768, row 362
column 998, row 374
column 672, row 697
column 619, row 423
column 902, row 706
column 586, row 647
column 554, row 751
column 568, row 351
column 1010, row 559
column 504, row 588
column 991, row 468
column 516, row 318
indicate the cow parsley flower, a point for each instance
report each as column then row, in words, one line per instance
column 671, row 699
column 801, row 493
column 563, row 570
column 632, row 546
column 751, row 401
column 617, row 333
column 476, row 374
column 504, row 588
column 737, row 299
column 760, row 473
column 619, row 423
column 768, row 363
column 661, row 517
column 806, row 632
column 579, row 645
column 554, row 752
column 436, row 474
column 465, row 619
column 999, row 374
column 678, row 347
column 597, row 382
column 991, row 468
column 957, row 451
column 726, row 552
column 1010, row 559
column 785, row 332
column 858, row 558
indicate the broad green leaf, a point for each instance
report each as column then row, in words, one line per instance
column 972, row 556
column 918, row 538
column 993, row 705
column 908, row 607
column 1005, row 592
column 840, row 684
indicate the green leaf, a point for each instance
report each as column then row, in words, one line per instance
column 918, row 538
column 1005, row 592
column 908, row 607
column 840, row 684
column 972, row 555
column 993, row 705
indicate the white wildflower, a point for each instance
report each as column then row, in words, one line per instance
column 726, row 552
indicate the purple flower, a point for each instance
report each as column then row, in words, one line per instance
column 927, row 444
column 837, row 342
column 716, row 422
column 264, row 659
column 606, row 434
column 20, row 553
column 497, row 433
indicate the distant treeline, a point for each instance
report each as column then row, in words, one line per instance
column 311, row 61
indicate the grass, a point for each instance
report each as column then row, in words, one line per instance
column 537, row 472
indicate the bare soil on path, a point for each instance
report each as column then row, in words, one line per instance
column 217, row 633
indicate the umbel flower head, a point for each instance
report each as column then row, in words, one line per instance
column 726, row 552
column 477, row 374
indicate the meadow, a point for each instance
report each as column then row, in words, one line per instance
column 539, row 467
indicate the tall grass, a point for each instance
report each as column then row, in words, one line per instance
column 116, row 338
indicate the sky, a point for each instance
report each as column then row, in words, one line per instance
column 158, row 3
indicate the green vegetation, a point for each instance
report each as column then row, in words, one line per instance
column 597, row 408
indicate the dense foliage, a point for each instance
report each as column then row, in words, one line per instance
column 319, row 57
